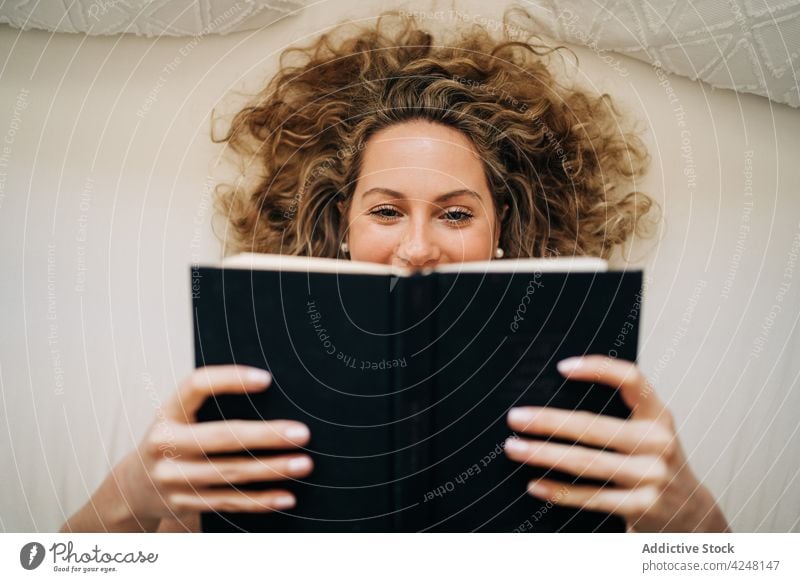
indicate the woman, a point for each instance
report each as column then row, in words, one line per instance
column 381, row 146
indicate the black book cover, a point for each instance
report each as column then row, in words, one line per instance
column 405, row 383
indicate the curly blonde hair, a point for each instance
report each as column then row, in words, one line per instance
column 556, row 156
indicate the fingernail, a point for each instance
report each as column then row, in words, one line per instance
column 283, row 501
column 296, row 432
column 299, row 464
column 569, row 365
column 521, row 414
column 538, row 489
column 515, row 445
column 258, row 376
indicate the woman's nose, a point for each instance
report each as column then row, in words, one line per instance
column 419, row 248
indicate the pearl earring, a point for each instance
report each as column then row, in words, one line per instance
column 345, row 248
column 498, row 253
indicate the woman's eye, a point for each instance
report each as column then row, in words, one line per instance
column 457, row 216
column 385, row 212
column 388, row 213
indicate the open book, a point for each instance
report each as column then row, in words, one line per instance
column 405, row 379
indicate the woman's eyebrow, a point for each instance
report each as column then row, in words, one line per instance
column 441, row 198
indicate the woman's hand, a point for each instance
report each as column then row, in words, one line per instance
column 169, row 475
column 654, row 489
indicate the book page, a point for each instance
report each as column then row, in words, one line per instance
column 264, row 261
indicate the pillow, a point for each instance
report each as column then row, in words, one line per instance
column 752, row 46
column 146, row 17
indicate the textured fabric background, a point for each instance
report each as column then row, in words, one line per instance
column 146, row 17
column 751, row 46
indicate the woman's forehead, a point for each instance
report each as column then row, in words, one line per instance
column 424, row 156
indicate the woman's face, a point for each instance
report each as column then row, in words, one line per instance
column 421, row 199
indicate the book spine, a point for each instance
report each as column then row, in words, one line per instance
column 412, row 343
